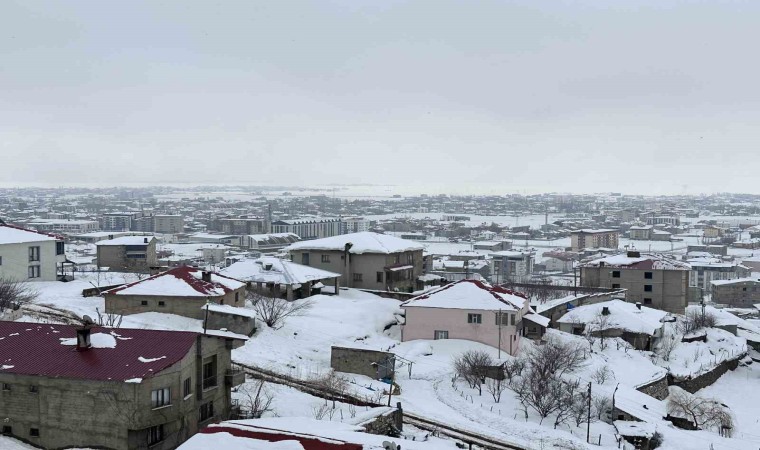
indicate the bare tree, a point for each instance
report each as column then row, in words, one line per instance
column 695, row 321
column 579, row 411
column 108, row 320
column 666, row 347
column 555, row 358
column 567, row 397
column 602, row 374
column 600, row 325
column 255, row 399
column 602, row 406
column 704, row 413
column 513, row 368
column 495, row 387
column 13, row 294
column 539, row 393
column 473, row 366
column 273, row 311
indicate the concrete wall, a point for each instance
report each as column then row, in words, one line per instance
column 113, row 414
column 15, row 261
column 115, row 258
column 421, row 323
column 234, row 323
column 740, row 294
column 181, row 306
column 657, row 389
column 706, row 379
column 362, row 270
column 360, row 361
column 669, row 287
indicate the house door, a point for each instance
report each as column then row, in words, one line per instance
column 441, row 334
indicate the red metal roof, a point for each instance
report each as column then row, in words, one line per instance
column 36, row 349
column 308, row 441
column 185, row 273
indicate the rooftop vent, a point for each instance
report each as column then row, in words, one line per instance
column 268, row 266
column 634, row 254
column 145, row 240
column 638, row 305
column 206, row 276
column 605, row 310
column 83, row 334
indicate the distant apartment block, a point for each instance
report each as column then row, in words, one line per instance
column 704, row 272
column 738, row 293
column 269, row 242
column 240, row 226
column 514, row 266
column 586, row 238
column 64, row 225
column 119, row 221
column 355, row 225
column 168, row 223
column 28, row 255
column 663, row 220
column 655, row 281
column 128, row 254
column 309, row 228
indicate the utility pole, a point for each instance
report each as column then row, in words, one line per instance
column 499, row 318
column 588, row 421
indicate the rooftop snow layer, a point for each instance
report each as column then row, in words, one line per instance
column 653, row 262
column 127, row 240
column 180, row 282
column 469, row 294
column 364, row 242
column 281, row 271
column 623, row 315
column 10, row 234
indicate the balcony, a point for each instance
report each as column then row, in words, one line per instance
column 234, row 377
column 209, row 383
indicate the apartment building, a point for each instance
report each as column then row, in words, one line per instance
column 655, row 281
column 68, row 226
column 705, row 271
column 309, row 228
column 28, row 255
column 364, row 260
column 128, row 254
column 355, row 225
column 510, row 265
column 168, row 223
column 240, row 226
column 602, row 238
column 738, row 293
column 119, row 221
column 89, row 387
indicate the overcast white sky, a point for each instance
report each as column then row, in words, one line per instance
column 586, row 96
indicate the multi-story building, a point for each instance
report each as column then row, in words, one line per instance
column 309, row 228
column 119, row 221
column 240, row 226
column 364, row 260
column 663, row 220
column 84, row 387
column 168, row 223
column 737, row 293
column 643, row 233
column 269, row 242
column 64, row 225
column 582, row 239
column 355, row 225
column 510, row 265
column 653, row 280
column 705, row 271
column 27, row 255
column 128, row 254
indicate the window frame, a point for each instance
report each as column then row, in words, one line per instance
column 206, row 411
column 161, row 398
column 475, row 318
column 357, row 277
column 440, row 334
column 380, row 277
column 324, row 258
column 155, row 435
column 648, row 288
column 34, row 253
column 34, row 272
column 615, row 274
column 648, row 275
column 34, row 432
column 187, row 388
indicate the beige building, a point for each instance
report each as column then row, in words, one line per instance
column 128, row 254
column 364, row 260
column 111, row 388
column 581, row 239
column 168, row 223
column 27, row 255
column 182, row 291
column 655, row 281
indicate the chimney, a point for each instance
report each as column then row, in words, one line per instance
column 634, row 254
column 83, row 338
column 145, row 240
column 638, row 305
column 605, row 310
column 267, row 266
column 206, row 276
column 110, row 236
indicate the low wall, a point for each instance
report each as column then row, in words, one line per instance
column 372, row 363
column 692, row 385
column 657, row 389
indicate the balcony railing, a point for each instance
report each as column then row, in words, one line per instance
column 209, row 382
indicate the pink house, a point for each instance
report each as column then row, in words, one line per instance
column 470, row 310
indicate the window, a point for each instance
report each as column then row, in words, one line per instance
column 6, row 387
column 512, row 319
column 504, row 318
column 357, row 277
column 7, row 430
column 144, row 303
column 474, row 318
column 33, row 389
column 155, row 435
column 34, row 432
column 440, row 334
column 648, row 275
column 59, row 248
column 379, row 277
column 161, row 397
column 187, row 387
column 161, row 303
column 237, row 297
column 647, row 301
column 647, row 288
column 325, row 258
column 209, row 373
column 615, row 286
column 34, row 271
column 207, row 411
column 1, row 260
column 34, row 254
column 305, row 259
column 615, row 274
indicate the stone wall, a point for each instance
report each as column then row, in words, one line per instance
column 657, row 389
column 692, row 385
column 371, row 363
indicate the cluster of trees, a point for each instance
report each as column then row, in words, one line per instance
column 704, row 413
column 14, row 293
column 538, row 380
column 274, row 310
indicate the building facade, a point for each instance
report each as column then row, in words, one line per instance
column 738, row 293
column 128, row 254
column 514, row 266
column 27, row 255
column 309, row 228
column 582, row 239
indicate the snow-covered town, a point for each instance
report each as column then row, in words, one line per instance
column 379, row 225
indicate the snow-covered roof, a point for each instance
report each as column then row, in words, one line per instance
column 180, row 282
column 469, row 294
column 622, row 315
column 537, row 319
column 280, row 271
column 10, row 234
column 127, row 240
column 364, row 242
column 734, row 281
column 229, row 309
column 631, row 428
column 643, row 262
column 274, row 238
column 593, row 231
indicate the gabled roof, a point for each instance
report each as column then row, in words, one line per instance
column 364, row 242
column 182, row 281
column 469, row 294
column 623, row 315
column 127, row 240
column 279, row 271
column 11, row 234
column 643, row 262
column 116, row 354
